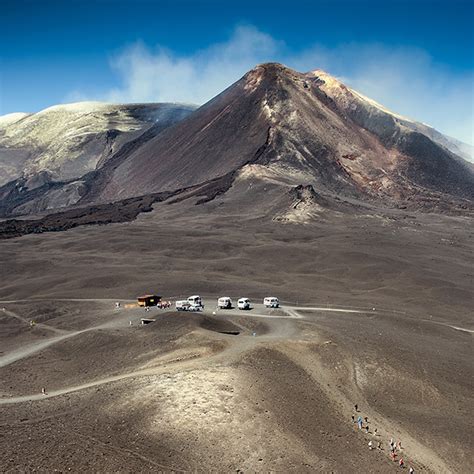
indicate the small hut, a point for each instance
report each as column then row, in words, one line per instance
column 148, row 300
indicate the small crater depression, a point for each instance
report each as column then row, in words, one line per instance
column 220, row 326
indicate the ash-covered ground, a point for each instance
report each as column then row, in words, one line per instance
column 188, row 393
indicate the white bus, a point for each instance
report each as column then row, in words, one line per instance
column 271, row 302
column 195, row 301
column 182, row 305
column 243, row 303
column 224, row 303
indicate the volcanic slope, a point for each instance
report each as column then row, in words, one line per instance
column 287, row 124
column 300, row 134
column 45, row 155
column 374, row 116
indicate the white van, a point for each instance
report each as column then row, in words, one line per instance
column 243, row 303
column 182, row 305
column 224, row 303
column 195, row 301
column 271, row 302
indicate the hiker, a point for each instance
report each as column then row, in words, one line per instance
column 379, row 446
column 43, row 391
column 353, row 419
column 401, row 463
column 375, row 432
column 399, row 444
column 366, row 419
column 356, row 406
column 411, row 471
column 130, row 322
column 367, row 429
column 391, row 442
column 359, row 422
column 370, row 445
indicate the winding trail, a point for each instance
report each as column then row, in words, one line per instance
column 35, row 347
column 281, row 329
column 93, row 300
column 31, row 349
column 292, row 312
column 457, row 328
column 234, row 349
column 27, row 321
column 324, row 308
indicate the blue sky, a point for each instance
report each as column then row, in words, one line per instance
column 416, row 57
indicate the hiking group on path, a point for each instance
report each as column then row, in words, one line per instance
column 395, row 448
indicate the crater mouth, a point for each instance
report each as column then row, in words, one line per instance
column 220, row 326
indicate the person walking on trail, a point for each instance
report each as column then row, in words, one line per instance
column 43, row 391
column 411, row 471
column 370, row 445
column 353, row 419
column 359, row 422
column 356, row 407
column 375, row 432
column 379, row 446
column 401, row 463
column 366, row 419
column 367, row 429
column 399, row 445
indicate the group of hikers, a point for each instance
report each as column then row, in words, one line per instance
column 395, row 447
column 160, row 305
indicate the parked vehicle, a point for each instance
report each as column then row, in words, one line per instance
column 224, row 303
column 271, row 302
column 182, row 305
column 196, row 300
column 243, row 303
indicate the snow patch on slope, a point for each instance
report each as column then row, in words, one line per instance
column 69, row 140
column 9, row 119
column 350, row 99
column 333, row 86
column 78, row 107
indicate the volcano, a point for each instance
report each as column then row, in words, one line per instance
column 286, row 129
column 43, row 156
column 299, row 129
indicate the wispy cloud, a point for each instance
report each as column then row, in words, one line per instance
column 405, row 80
column 163, row 76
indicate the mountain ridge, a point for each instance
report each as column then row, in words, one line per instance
column 275, row 124
column 346, row 96
column 69, row 140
